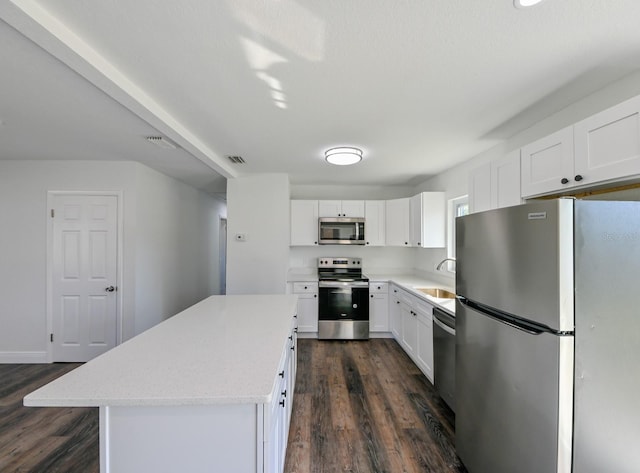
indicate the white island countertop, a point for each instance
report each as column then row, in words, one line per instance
column 222, row 350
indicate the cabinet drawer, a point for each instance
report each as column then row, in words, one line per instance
column 378, row 287
column 305, row 287
column 401, row 295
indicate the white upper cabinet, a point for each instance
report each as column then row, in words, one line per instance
column 374, row 225
column 341, row 208
column 397, row 215
column 480, row 189
column 505, row 181
column 607, row 145
column 603, row 147
column 304, row 222
column 427, row 221
column 547, row 164
column 496, row 184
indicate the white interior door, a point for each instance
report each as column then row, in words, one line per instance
column 84, row 276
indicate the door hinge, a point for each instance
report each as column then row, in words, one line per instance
column 51, row 338
column 53, row 213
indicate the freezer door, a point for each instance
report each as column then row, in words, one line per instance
column 607, row 385
column 520, row 260
column 513, row 397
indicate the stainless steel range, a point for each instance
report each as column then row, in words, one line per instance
column 343, row 312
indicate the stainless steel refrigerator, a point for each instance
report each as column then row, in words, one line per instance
column 548, row 338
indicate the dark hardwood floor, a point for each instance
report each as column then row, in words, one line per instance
column 365, row 407
column 359, row 407
column 44, row 440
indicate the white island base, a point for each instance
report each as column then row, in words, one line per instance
column 182, row 438
column 208, row 390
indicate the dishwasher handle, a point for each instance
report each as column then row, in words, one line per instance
column 444, row 327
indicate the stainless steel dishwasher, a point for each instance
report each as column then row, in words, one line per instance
column 444, row 354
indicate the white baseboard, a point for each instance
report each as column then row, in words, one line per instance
column 19, row 357
column 307, row 334
column 380, row 335
column 371, row 335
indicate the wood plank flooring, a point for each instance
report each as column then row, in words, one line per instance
column 365, row 407
column 359, row 407
column 48, row 439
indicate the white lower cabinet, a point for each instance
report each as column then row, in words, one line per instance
column 409, row 329
column 424, row 349
column 395, row 317
column 307, row 293
column 277, row 415
column 411, row 324
column 378, row 306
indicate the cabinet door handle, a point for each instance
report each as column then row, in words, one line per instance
column 281, row 374
column 578, row 178
column 284, row 393
column 371, row 296
column 564, row 180
column 281, row 403
column 315, row 295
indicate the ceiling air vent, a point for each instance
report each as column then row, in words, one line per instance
column 236, row 159
column 161, row 141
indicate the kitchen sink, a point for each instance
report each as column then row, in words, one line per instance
column 436, row 292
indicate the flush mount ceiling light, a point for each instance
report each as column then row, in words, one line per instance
column 526, row 3
column 343, row 156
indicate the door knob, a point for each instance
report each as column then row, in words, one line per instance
column 110, row 289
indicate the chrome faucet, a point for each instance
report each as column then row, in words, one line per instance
column 441, row 263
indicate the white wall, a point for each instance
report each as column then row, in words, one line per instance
column 146, row 246
column 176, row 257
column 328, row 192
column 374, row 259
column 454, row 182
column 258, row 207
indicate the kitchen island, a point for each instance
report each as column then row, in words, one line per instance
column 209, row 389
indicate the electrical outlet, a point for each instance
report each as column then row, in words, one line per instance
column 241, row 237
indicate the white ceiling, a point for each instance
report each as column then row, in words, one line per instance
column 419, row 85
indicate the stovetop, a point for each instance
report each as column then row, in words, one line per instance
column 340, row 269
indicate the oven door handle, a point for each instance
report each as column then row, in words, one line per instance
column 341, row 285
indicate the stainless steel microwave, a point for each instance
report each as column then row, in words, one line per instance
column 340, row 231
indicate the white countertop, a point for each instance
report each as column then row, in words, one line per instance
column 410, row 282
column 223, row 350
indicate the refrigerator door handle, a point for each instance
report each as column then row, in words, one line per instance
column 504, row 318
